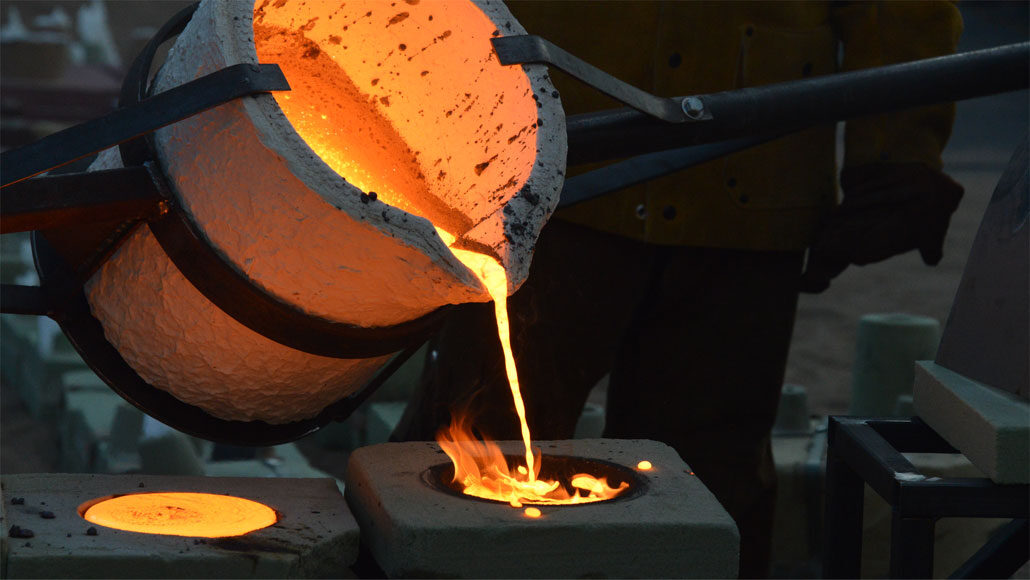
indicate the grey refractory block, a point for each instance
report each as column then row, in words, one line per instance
column 989, row 426
column 676, row 528
column 316, row 536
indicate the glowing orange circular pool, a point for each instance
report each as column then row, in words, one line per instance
column 202, row 515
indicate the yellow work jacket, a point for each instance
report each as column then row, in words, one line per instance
column 770, row 197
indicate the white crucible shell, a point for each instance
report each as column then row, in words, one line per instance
column 284, row 218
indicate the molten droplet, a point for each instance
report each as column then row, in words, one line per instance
column 202, row 515
column 644, row 465
column 532, row 512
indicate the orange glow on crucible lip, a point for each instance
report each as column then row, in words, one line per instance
column 201, row 515
column 644, row 465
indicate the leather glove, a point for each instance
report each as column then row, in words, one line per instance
column 888, row 209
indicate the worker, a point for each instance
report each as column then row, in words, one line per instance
column 685, row 288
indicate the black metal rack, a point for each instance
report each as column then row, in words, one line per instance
column 869, row 451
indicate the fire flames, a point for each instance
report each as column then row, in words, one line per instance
column 482, row 470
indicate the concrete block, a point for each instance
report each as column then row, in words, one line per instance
column 119, row 451
column 107, row 461
column 989, row 426
column 99, row 408
column 792, row 416
column 86, row 423
column 797, row 526
column 170, row 454
column 39, row 391
column 76, row 446
column 59, row 362
column 23, row 367
column 382, row 419
column 402, row 382
column 22, row 326
column 12, row 264
column 16, row 259
column 675, row 528
column 349, row 434
column 987, row 336
column 82, row 380
column 316, row 536
column 885, row 348
column 126, row 430
column 590, row 424
column 279, row 461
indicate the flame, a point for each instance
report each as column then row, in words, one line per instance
column 482, row 470
column 201, row 515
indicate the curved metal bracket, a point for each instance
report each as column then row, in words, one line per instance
column 127, row 123
column 531, row 48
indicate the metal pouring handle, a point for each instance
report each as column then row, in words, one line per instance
column 792, row 106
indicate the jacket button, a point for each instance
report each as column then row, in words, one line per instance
column 675, row 60
column 641, row 212
column 669, row 212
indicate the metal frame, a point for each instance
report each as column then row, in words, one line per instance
column 671, row 134
column 869, row 451
column 795, row 105
column 531, row 48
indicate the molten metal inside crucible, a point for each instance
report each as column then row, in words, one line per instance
column 406, row 101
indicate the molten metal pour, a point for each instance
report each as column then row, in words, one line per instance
column 351, row 137
column 480, row 466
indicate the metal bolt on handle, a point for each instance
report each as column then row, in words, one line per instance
column 693, row 108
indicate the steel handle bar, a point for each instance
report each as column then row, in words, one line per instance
column 795, row 105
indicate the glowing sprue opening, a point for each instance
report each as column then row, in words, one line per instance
column 201, row 515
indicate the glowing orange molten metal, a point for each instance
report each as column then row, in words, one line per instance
column 201, row 515
column 384, row 95
column 479, row 466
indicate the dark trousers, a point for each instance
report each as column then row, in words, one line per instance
column 695, row 339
